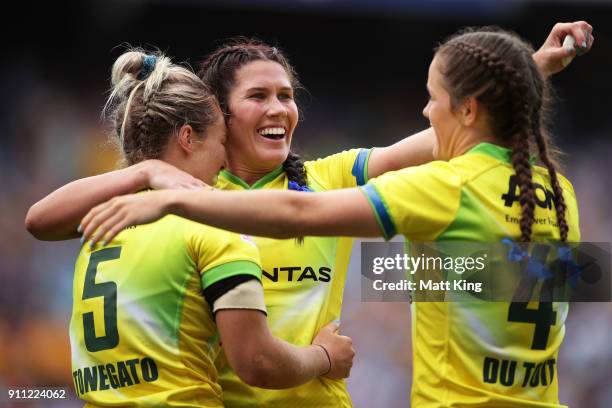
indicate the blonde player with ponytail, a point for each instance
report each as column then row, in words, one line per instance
column 487, row 104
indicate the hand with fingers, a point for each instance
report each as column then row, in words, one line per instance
column 103, row 222
column 162, row 175
column 339, row 350
column 553, row 56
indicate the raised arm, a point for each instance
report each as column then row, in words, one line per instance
column 411, row 151
column 551, row 57
column 417, row 149
column 57, row 216
column 272, row 213
column 262, row 360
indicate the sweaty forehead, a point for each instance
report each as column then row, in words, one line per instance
column 262, row 74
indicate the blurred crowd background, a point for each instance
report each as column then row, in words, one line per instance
column 364, row 65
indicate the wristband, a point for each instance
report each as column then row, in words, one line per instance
column 328, row 359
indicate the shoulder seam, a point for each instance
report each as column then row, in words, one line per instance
column 479, row 173
column 310, row 175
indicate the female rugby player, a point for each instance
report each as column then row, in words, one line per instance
column 304, row 283
column 487, row 104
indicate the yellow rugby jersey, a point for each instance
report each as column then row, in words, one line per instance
column 303, row 285
column 141, row 332
column 474, row 197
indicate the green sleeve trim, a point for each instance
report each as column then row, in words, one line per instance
column 366, row 178
column 230, row 269
column 380, row 208
column 360, row 166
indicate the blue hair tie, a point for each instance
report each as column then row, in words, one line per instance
column 292, row 185
column 148, row 65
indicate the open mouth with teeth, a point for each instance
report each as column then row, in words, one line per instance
column 274, row 133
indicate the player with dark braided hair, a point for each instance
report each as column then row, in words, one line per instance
column 220, row 70
column 527, row 100
column 255, row 85
column 487, row 104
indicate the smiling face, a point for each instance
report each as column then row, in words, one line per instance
column 441, row 115
column 263, row 116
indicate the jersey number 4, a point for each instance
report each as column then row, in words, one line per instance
column 543, row 317
column 107, row 290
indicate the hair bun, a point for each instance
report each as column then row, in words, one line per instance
column 130, row 63
column 148, row 65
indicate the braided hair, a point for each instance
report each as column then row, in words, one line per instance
column 150, row 99
column 218, row 71
column 496, row 67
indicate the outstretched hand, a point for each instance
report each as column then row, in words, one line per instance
column 552, row 57
column 106, row 220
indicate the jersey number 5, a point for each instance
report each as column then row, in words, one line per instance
column 108, row 290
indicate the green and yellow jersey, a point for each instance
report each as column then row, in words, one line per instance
column 456, row 345
column 142, row 331
column 303, row 285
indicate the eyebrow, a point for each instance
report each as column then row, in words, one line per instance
column 262, row 89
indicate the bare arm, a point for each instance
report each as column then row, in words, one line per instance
column 57, row 216
column 272, row 213
column 411, row 151
column 264, row 361
column 417, row 149
column 281, row 214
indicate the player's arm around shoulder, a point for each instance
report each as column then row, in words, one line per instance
column 280, row 214
column 269, row 213
column 56, row 216
column 411, row 151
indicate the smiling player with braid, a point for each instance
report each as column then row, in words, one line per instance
column 487, row 104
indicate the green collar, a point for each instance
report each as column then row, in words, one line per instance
column 258, row 184
column 498, row 152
